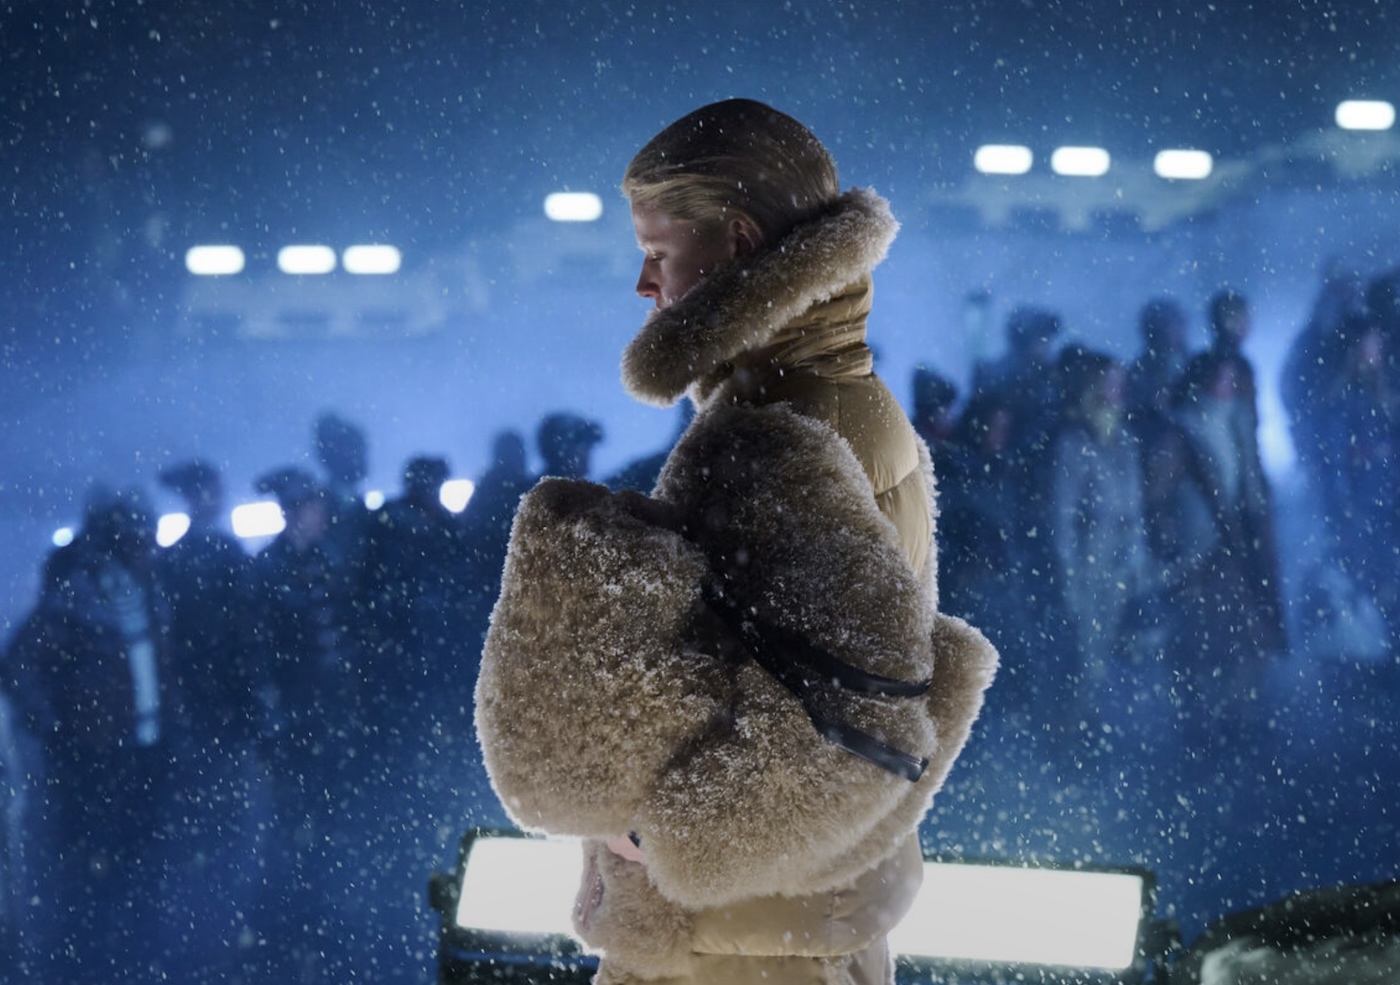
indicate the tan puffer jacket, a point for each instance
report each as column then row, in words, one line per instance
column 604, row 706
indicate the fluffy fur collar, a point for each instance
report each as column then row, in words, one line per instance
column 744, row 305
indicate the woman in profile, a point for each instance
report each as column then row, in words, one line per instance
column 739, row 691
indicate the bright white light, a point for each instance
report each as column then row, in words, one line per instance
column 371, row 259
column 1008, row 914
column 374, row 499
column 520, row 885
column 213, row 261
column 1080, row 162
column 1003, row 159
column 456, row 493
column 573, row 206
column 171, row 527
column 262, row 519
column 998, row 914
column 62, row 537
column 1183, row 164
column 306, row 259
column 1365, row 114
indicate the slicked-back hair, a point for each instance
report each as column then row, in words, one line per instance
column 738, row 157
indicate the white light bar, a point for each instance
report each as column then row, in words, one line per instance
column 306, row 259
column 1003, row 159
column 1183, row 164
column 520, row 885
column 1007, row 914
column 371, row 258
column 262, row 519
column 990, row 913
column 573, row 206
column 1365, row 114
column 171, row 527
column 1080, row 162
column 456, row 493
column 213, row 261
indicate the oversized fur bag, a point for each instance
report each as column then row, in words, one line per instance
column 598, row 715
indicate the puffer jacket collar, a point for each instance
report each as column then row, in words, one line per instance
column 746, row 305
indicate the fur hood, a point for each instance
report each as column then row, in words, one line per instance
column 744, row 305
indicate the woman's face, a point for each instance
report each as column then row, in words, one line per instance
column 677, row 254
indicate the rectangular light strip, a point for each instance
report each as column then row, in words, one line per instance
column 990, row 913
column 1365, row 114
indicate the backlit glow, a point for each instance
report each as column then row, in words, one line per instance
column 1003, row 159
column 995, row 914
column 1365, row 114
column 171, row 527
column 573, row 206
column 1183, row 164
column 456, row 493
column 213, row 261
column 374, row 499
column 520, row 885
column 307, row 259
column 1009, row 914
column 371, row 259
column 262, row 519
column 1080, row 162
column 62, row 537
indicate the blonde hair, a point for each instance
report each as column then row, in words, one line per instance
column 733, row 157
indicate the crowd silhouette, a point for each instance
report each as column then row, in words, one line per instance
column 242, row 767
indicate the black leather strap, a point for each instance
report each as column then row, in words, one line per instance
column 803, row 668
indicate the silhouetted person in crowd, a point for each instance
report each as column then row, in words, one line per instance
column 205, row 578
column 1025, row 379
column 1096, row 521
column 566, row 443
column 205, row 575
column 415, row 684
column 343, row 451
column 91, row 679
column 301, row 632
column 1309, row 372
column 1359, row 417
column 980, row 562
column 1228, row 593
column 933, row 415
column 417, row 589
column 1153, row 374
column 486, row 523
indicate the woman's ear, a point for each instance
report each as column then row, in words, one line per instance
column 744, row 237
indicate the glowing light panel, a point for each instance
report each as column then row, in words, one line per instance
column 171, row 527
column 573, row 206
column 306, row 259
column 213, row 261
column 1080, row 162
column 456, row 493
column 1183, row 164
column 1365, row 114
column 262, row 519
column 1008, row 914
column 520, row 885
column 1003, row 159
column 996, row 914
column 374, row 258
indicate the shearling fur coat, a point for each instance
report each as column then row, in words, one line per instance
column 612, row 701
